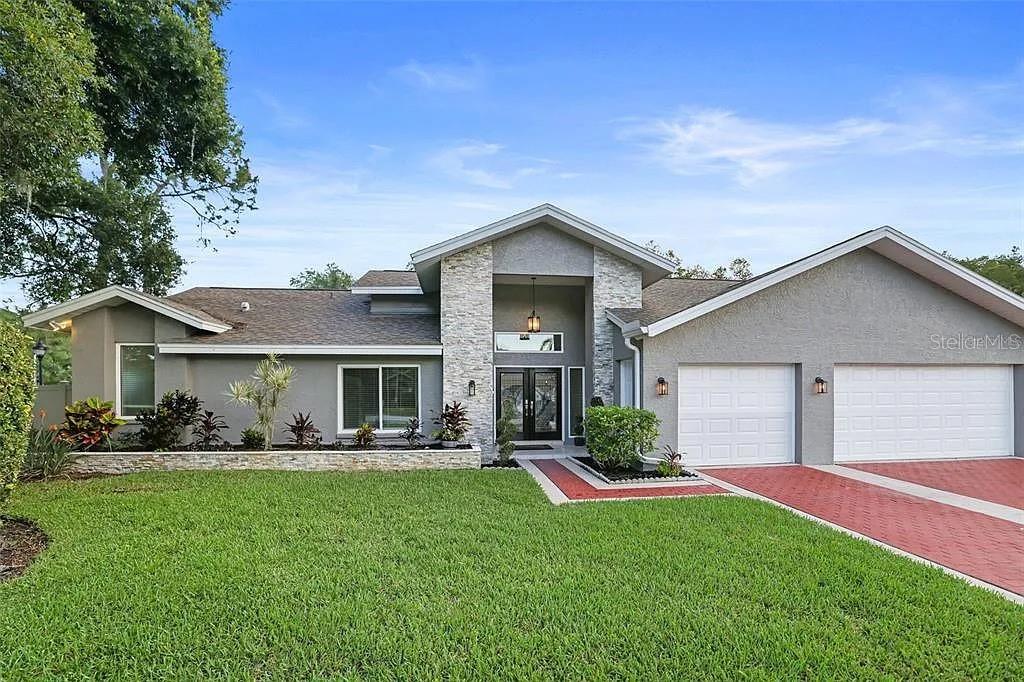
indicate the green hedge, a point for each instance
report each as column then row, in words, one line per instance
column 17, row 396
column 618, row 436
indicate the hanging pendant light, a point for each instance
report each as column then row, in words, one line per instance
column 533, row 321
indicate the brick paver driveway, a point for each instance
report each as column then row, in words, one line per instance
column 993, row 480
column 984, row 547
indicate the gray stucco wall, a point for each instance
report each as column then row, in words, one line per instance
column 861, row 308
column 94, row 336
column 315, row 388
column 543, row 250
column 561, row 309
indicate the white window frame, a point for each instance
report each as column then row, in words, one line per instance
column 380, row 396
column 560, row 335
column 117, row 377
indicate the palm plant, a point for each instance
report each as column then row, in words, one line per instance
column 264, row 394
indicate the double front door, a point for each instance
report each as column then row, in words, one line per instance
column 536, row 397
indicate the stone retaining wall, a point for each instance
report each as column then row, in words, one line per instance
column 281, row 460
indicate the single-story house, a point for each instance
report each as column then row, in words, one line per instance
column 875, row 348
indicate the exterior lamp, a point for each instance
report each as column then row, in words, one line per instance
column 662, row 387
column 39, row 350
column 533, row 321
column 472, row 388
column 820, row 386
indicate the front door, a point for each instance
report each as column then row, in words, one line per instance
column 536, row 397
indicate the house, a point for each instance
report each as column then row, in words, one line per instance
column 875, row 348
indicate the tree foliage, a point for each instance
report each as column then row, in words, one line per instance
column 738, row 268
column 57, row 361
column 1006, row 270
column 155, row 138
column 331, row 277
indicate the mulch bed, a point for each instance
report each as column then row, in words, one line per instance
column 630, row 474
column 323, row 447
column 498, row 464
column 21, row 541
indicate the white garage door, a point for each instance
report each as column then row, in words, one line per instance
column 736, row 414
column 922, row 412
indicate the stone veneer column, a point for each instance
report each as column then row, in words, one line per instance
column 467, row 334
column 617, row 284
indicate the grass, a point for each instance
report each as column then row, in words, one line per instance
column 470, row 574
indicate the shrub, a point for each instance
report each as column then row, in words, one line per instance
column 48, row 454
column 364, row 438
column 253, row 439
column 17, row 394
column 454, row 423
column 264, row 393
column 303, row 432
column 88, row 423
column 412, row 433
column 506, row 431
column 163, row 428
column 671, row 463
column 206, row 432
column 618, row 436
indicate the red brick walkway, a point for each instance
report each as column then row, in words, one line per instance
column 981, row 546
column 575, row 488
column 993, row 480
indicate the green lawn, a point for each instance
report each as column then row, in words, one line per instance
column 470, row 574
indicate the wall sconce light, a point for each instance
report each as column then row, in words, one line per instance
column 662, row 387
column 472, row 388
column 820, row 386
column 533, row 321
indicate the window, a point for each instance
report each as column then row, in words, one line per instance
column 384, row 396
column 136, row 386
column 515, row 342
column 577, row 402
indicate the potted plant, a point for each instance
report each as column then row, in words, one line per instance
column 453, row 423
column 578, row 437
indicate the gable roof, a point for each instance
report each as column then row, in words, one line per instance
column 885, row 241
column 117, row 295
column 671, row 295
column 297, row 321
column 426, row 261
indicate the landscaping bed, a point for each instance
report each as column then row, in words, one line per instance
column 469, row 575
column 630, row 475
column 21, row 541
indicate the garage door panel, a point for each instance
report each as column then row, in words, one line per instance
column 926, row 412
column 736, row 413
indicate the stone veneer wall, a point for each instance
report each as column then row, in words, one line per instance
column 467, row 334
column 617, row 284
column 278, row 460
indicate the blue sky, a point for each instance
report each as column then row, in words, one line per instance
column 765, row 131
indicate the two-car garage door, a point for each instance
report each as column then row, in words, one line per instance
column 744, row 414
column 922, row 411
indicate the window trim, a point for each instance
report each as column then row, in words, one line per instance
column 561, row 335
column 380, row 395
column 117, row 377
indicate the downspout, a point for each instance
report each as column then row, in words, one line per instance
column 636, row 369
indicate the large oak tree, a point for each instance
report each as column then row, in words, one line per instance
column 113, row 118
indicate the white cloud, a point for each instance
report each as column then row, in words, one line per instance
column 442, row 77
column 454, row 162
column 924, row 115
column 281, row 116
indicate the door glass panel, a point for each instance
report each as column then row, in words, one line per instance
column 545, row 402
column 576, row 401
column 511, row 388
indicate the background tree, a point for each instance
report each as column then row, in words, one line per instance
column 331, row 277
column 155, row 94
column 57, row 361
column 738, row 268
column 1006, row 270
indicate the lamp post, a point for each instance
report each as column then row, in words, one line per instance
column 39, row 350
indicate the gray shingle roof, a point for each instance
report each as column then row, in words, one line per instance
column 388, row 278
column 306, row 317
column 671, row 295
